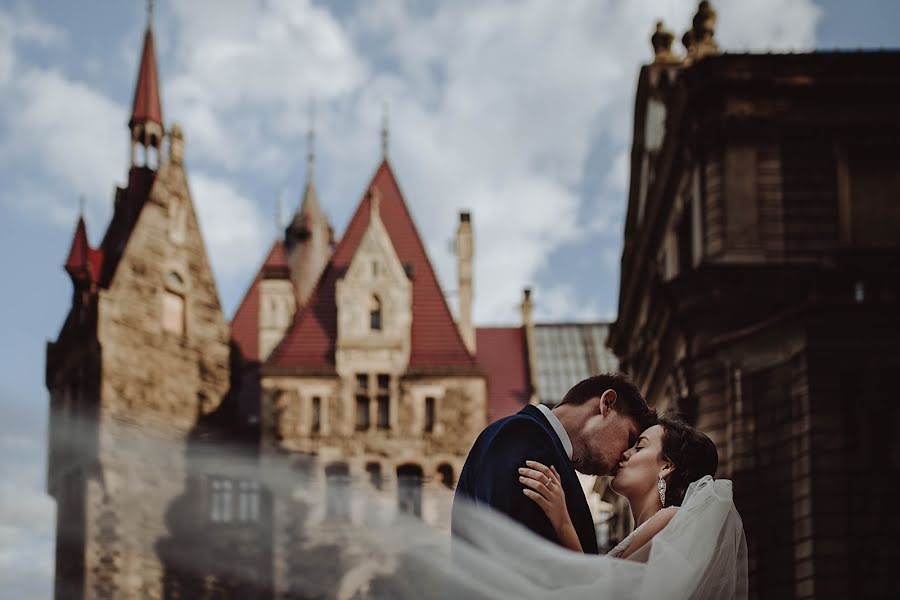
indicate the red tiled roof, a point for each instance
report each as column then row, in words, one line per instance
column 245, row 323
column 436, row 342
column 503, row 357
column 147, row 106
column 83, row 261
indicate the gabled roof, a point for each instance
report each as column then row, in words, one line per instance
column 566, row 353
column 147, row 106
column 503, row 356
column 245, row 323
column 83, row 260
column 436, row 345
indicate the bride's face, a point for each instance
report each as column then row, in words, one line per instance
column 641, row 465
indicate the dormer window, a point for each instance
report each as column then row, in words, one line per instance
column 375, row 314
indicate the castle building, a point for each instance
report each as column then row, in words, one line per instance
column 759, row 293
column 191, row 457
column 145, row 342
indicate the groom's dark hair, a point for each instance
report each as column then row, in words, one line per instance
column 629, row 400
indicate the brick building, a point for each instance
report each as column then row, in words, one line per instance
column 759, row 293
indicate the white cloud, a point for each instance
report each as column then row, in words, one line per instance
column 26, row 520
column 233, row 228
column 563, row 303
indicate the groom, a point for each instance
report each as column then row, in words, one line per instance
column 597, row 420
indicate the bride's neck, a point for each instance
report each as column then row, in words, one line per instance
column 643, row 507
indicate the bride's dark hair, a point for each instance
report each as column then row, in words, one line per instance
column 693, row 454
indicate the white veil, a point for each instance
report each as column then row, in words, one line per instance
column 702, row 553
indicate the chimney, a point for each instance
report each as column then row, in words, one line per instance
column 464, row 252
column 528, row 326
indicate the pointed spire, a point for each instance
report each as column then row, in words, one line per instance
column 146, row 122
column 146, row 106
column 78, row 251
column 83, row 262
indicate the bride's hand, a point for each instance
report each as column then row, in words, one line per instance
column 542, row 485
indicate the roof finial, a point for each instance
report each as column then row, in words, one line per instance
column 311, row 140
column 81, row 206
column 384, row 129
column 150, row 4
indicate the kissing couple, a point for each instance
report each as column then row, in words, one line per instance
column 688, row 540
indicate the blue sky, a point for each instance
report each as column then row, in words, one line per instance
column 520, row 112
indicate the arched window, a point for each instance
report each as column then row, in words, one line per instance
column 374, row 313
column 374, row 471
column 446, row 473
column 409, row 489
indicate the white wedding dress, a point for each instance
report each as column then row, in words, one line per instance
column 701, row 553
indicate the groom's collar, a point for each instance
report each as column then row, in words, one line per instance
column 558, row 428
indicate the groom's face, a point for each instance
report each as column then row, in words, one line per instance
column 605, row 438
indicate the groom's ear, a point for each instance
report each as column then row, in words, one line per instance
column 607, row 400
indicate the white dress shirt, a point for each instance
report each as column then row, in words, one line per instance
column 558, row 428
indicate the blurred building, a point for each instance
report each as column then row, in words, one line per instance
column 760, row 291
column 193, row 458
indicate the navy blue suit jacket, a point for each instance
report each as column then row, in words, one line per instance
column 490, row 475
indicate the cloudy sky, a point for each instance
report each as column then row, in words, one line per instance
column 518, row 111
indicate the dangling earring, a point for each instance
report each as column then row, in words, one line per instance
column 661, row 486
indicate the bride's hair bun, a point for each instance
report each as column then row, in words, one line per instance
column 693, row 454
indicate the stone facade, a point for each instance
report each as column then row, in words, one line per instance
column 758, row 289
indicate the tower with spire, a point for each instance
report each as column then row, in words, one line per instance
column 309, row 236
column 142, row 356
column 146, row 123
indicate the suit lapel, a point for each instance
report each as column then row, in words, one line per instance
column 576, row 502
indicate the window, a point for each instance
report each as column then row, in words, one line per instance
column 384, row 401
column 316, row 425
column 375, row 314
column 366, row 396
column 446, row 473
column 375, row 478
column 409, row 489
column 173, row 304
column 220, row 510
column 173, row 312
column 429, row 414
column 234, row 500
column 248, row 501
column 362, row 413
column 384, row 412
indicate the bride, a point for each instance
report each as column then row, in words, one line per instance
column 688, row 542
column 653, row 476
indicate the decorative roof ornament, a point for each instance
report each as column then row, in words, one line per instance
column 699, row 40
column 661, row 40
